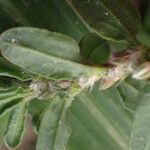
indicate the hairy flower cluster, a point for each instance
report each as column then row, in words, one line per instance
column 86, row 82
column 46, row 89
column 124, row 63
column 115, row 74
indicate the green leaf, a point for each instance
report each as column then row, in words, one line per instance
column 146, row 21
column 11, row 101
column 117, row 46
column 140, row 137
column 94, row 48
column 144, row 37
column 137, row 84
column 99, row 122
column 44, row 42
column 36, row 121
column 10, row 16
column 64, row 21
column 26, row 13
column 16, row 126
column 54, row 131
column 6, row 84
column 3, row 125
column 128, row 94
column 9, row 93
column 52, row 49
column 36, row 108
column 9, row 70
column 129, row 91
column 116, row 20
column 8, row 104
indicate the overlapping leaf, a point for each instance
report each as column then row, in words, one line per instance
column 9, row 98
column 140, row 137
column 56, row 54
column 116, row 20
column 16, row 126
column 54, row 131
column 99, row 122
column 54, row 16
column 9, row 70
column 36, row 108
column 94, row 49
column 129, row 91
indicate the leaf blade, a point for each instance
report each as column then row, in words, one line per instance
column 116, row 20
column 140, row 139
column 89, row 111
column 65, row 21
column 10, row 101
column 54, row 135
column 94, row 48
column 8, row 104
column 16, row 126
column 9, row 70
column 54, row 65
column 130, row 91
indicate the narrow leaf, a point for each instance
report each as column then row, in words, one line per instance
column 128, row 95
column 146, row 21
column 10, row 16
column 16, row 13
column 53, row 130
column 9, row 93
column 99, row 122
column 46, row 42
column 9, row 70
column 36, row 108
column 116, row 20
column 129, row 91
column 47, row 47
column 36, row 121
column 8, row 104
column 140, row 137
column 16, row 126
column 5, row 84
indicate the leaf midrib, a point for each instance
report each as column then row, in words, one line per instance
column 132, row 37
column 119, row 20
column 52, row 57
